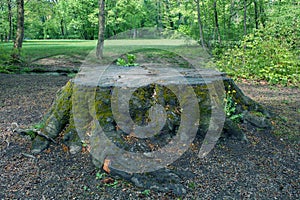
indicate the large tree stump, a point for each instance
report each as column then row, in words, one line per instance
column 142, row 118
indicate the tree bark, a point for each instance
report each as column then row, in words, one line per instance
column 231, row 14
column 9, row 20
column 82, row 104
column 217, row 29
column 62, row 29
column 159, row 15
column 200, row 24
column 20, row 25
column 20, row 32
column 262, row 15
column 171, row 23
column 255, row 14
column 60, row 118
column 99, row 52
column 245, row 17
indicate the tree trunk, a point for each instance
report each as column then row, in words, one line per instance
column 20, row 32
column 159, row 15
column 231, row 14
column 113, row 118
column 100, row 44
column 200, row 24
column 245, row 17
column 79, row 102
column 262, row 14
column 217, row 29
column 9, row 20
column 255, row 13
column 170, row 21
column 62, row 28
column 20, row 25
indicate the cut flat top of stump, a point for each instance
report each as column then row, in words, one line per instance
column 137, row 76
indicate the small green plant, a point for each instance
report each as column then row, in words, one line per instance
column 230, row 106
column 31, row 134
column 39, row 126
column 192, row 185
column 121, row 62
column 113, row 185
column 72, row 75
column 85, row 188
column 129, row 62
column 100, row 175
column 146, row 192
column 84, row 144
column 10, row 69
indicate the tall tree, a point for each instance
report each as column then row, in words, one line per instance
column 159, row 14
column 168, row 15
column 217, row 29
column 100, row 44
column 245, row 17
column 20, row 26
column 262, row 15
column 200, row 24
column 9, row 20
column 256, row 13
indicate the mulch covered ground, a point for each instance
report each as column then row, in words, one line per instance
column 265, row 168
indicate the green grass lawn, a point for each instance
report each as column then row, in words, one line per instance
column 35, row 49
column 78, row 50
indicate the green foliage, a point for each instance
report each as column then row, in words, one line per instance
column 192, row 185
column 39, row 126
column 270, row 54
column 129, row 62
column 230, row 106
column 4, row 53
column 9, row 69
column 146, row 192
column 100, row 175
column 113, row 184
column 86, row 188
column 31, row 134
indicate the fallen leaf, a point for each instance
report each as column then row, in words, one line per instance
column 48, row 150
column 132, row 134
column 86, row 149
column 106, row 165
column 108, row 180
column 65, row 148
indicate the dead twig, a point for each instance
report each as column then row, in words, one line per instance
column 28, row 155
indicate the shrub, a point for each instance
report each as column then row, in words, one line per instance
column 270, row 53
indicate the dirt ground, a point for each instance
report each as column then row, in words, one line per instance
column 265, row 168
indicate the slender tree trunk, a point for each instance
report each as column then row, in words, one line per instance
column 262, row 13
column 100, row 44
column 255, row 14
column 217, row 29
column 159, row 15
column 224, row 19
column 20, row 25
column 229, row 35
column 200, row 24
column 9, row 20
column 170, row 21
column 62, row 29
column 245, row 17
